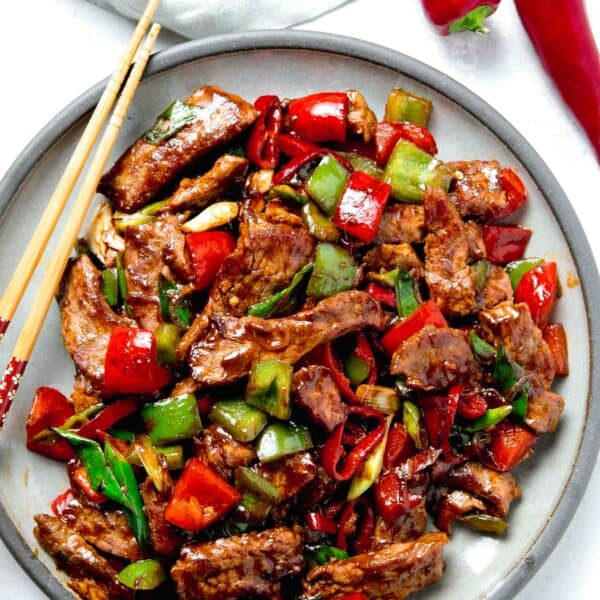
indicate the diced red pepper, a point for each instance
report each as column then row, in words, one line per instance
column 319, row 117
column 399, row 446
column 200, row 497
column 556, row 338
column 387, row 135
column 355, row 530
column 516, row 194
column 382, row 294
column 106, row 418
column 427, row 313
column 511, row 443
column 61, row 502
column 208, row 249
column 537, row 289
column 320, row 522
column 361, row 206
column 471, row 405
column 80, row 477
column 50, row 409
column 262, row 146
column 505, row 243
column 293, row 146
column 392, row 496
column 131, row 366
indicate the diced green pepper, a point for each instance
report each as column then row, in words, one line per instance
column 142, row 575
column 411, row 418
column 334, row 271
column 409, row 170
column 356, row 369
column 406, row 106
column 485, row 523
column 280, row 439
column 483, row 351
column 364, row 164
column 490, row 417
column 287, row 193
column 405, row 294
column 507, row 373
column 480, row 268
column 326, row 183
column 242, row 421
column 318, row 224
column 518, row 268
column 172, row 419
column 110, row 286
column 386, row 278
column 247, row 479
column 269, row 386
column 321, row 554
column 383, row 399
column 173, row 455
column 252, row 509
column 167, row 337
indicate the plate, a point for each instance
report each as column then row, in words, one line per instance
column 294, row 63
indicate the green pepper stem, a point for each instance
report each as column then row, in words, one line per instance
column 473, row 21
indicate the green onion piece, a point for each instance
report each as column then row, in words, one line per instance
column 247, row 479
column 364, row 164
column 485, row 523
column 269, row 386
column 507, row 373
column 172, row 419
column 145, row 215
column 287, row 193
column 356, row 369
column 121, row 434
column 484, row 351
column 403, row 390
column 242, row 421
column 318, row 224
column 167, row 337
column 149, row 459
column 326, row 183
column 122, row 281
column 520, row 403
column 490, row 417
column 405, row 294
column 383, row 399
column 252, row 509
column 411, row 418
column 142, row 575
column 406, row 106
column 480, row 270
column 518, row 268
column 334, row 272
column 176, row 116
column 280, row 439
column 321, row 554
column 176, row 311
column 110, row 286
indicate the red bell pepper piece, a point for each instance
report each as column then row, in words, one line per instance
column 208, row 249
column 262, row 146
column 392, row 496
column 556, row 338
column 61, row 502
column 537, row 289
column 399, row 446
column 50, row 409
column 351, row 525
column 361, row 206
column 427, row 313
column 471, row 405
column 320, row 522
column 131, row 366
column 293, row 146
column 511, row 443
column 515, row 191
column 200, row 497
column 80, row 477
column 388, row 133
column 382, row 294
column 505, row 243
column 451, row 16
column 107, row 417
column 319, row 117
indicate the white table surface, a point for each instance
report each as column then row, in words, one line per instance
column 53, row 50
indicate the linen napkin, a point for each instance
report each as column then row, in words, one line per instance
column 197, row 18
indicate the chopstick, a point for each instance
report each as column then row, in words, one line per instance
column 31, row 329
column 39, row 240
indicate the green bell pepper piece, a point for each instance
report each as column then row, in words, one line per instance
column 406, row 106
column 482, row 350
column 110, row 286
column 242, row 421
column 142, row 575
column 281, row 439
column 334, row 272
column 247, row 479
column 252, row 509
column 321, row 554
column 405, row 294
column 287, row 193
column 490, row 417
column 364, row 164
column 411, row 418
column 485, row 523
column 173, row 455
column 356, row 369
column 172, row 420
column 269, row 386
column 318, row 224
column 167, row 337
column 409, row 170
column 507, row 373
column 326, row 184
column 517, row 268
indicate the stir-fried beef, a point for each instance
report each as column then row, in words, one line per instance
column 84, row 395
column 361, row 119
column 290, row 474
column 317, row 395
column 87, row 320
column 434, row 358
column 472, row 232
column 449, row 277
column 401, row 224
column 152, row 250
column 233, row 345
column 496, row 288
column 318, row 489
column 409, row 526
column 386, row 257
column 90, row 570
column 395, row 571
column 222, row 451
column 145, row 169
column 544, row 408
column 450, row 505
column 248, row 565
column 477, row 190
column 212, row 185
column 497, row 489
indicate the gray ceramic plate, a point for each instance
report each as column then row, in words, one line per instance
column 293, row 63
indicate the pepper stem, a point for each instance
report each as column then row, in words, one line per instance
column 472, row 21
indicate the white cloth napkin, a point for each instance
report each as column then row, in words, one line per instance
column 197, row 18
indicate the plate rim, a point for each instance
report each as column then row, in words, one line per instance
column 584, row 461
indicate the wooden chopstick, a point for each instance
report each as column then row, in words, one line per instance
column 39, row 310
column 39, row 240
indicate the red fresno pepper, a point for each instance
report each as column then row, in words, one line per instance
column 388, row 133
column 439, row 413
column 556, row 338
column 209, row 249
column 131, row 366
column 427, row 313
column 451, row 16
column 382, row 294
column 361, row 206
column 319, row 117
column 392, row 496
column 537, row 289
column 505, row 243
column 399, row 446
column 50, row 409
column 61, row 502
column 471, row 405
column 81, row 478
column 319, row 522
column 561, row 34
column 293, row 146
column 262, row 147
column 511, row 443
column 515, row 191
column 352, row 525
column 200, row 497
column 107, row 417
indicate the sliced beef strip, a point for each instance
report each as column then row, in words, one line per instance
column 544, row 409
column 409, row 526
column 477, row 190
column 386, row 257
column 152, row 250
column 449, row 277
column 250, row 565
column 497, row 489
column 89, row 570
column 290, row 474
column 318, row 489
column 361, row 119
column 395, row 571
column 434, row 358
column 450, row 505
column 233, row 345
column 401, row 224
column 496, row 288
column 145, row 169
column 472, row 232
column 318, row 396
column 87, row 320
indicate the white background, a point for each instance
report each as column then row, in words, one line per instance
column 53, row 50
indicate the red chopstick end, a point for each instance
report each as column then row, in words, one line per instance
column 3, row 327
column 9, row 385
